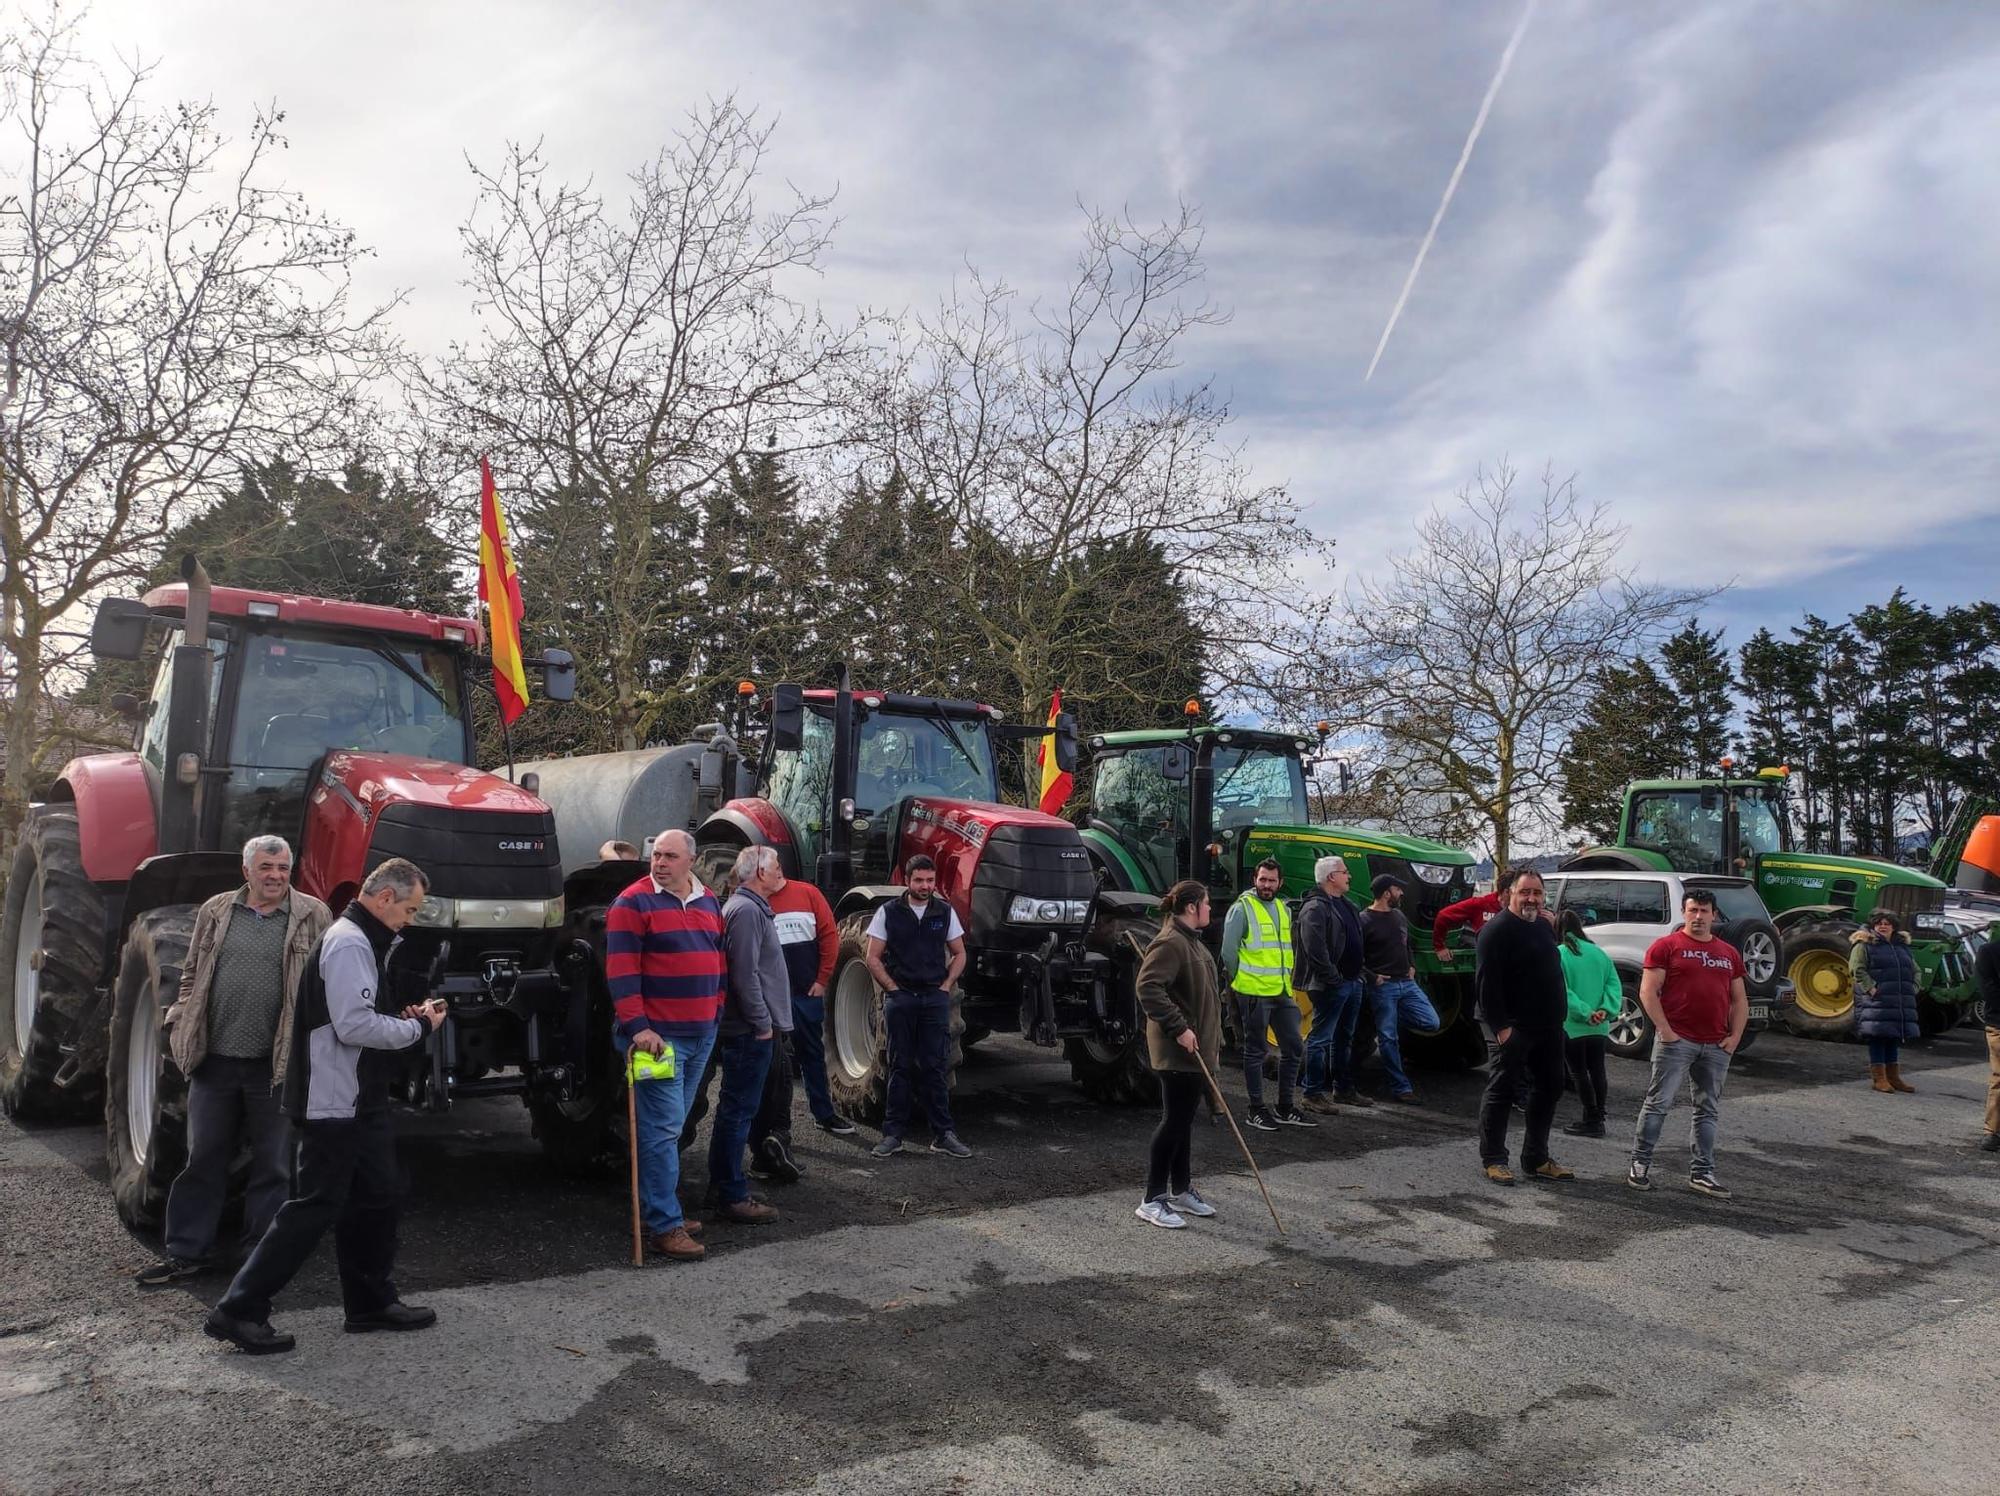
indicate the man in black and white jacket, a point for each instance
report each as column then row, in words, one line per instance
column 337, row 1093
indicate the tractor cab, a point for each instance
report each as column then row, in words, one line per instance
column 1708, row 826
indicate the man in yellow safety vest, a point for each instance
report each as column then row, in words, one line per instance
column 1257, row 960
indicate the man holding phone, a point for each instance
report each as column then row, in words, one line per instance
column 337, row 1094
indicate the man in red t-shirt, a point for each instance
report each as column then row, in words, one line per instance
column 1692, row 989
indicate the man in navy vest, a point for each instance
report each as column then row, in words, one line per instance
column 916, row 950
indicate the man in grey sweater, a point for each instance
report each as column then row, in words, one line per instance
column 758, row 1005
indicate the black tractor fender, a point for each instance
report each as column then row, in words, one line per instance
column 1607, row 859
column 865, row 896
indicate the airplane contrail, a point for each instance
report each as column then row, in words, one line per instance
column 1472, row 139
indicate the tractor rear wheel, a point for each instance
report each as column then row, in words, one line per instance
column 857, row 1040
column 1822, row 991
column 145, row 1095
column 51, row 936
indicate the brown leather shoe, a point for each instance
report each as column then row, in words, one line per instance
column 1548, row 1168
column 1319, row 1104
column 692, row 1228
column 1880, row 1079
column 1896, row 1081
column 677, row 1245
column 1499, row 1173
column 750, row 1213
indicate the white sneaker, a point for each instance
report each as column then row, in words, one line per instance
column 1159, row 1213
column 1191, row 1204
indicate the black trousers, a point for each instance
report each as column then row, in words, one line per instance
column 344, row 1176
column 1536, row 1056
column 1586, row 1069
column 229, row 1102
column 774, row 1112
column 1168, row 1166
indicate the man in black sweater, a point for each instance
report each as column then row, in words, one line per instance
column 1519, row 980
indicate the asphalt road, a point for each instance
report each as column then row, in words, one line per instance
column 1005, row 1324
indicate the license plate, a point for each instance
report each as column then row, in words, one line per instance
column 1760, row 1012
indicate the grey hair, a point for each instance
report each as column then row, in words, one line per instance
column 262, row 845
column 398, row 873
column 751, row 861
column 1326, row 867
column 686, row 839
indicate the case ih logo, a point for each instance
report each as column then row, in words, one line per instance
column 972, row 831
column 534, row 844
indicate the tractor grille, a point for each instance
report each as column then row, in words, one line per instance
column 472, row 854
column 1911, row 904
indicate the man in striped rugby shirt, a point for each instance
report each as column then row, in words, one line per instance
column 664, row 963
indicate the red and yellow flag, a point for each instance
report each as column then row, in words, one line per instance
column 1056, row 784
column 500, row 590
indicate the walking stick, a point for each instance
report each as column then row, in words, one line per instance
column 1222, row 1106
column 632, row 1150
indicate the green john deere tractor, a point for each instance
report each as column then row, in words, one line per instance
column 1816, row 900
column 1211, row 803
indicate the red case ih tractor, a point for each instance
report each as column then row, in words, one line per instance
column 346, row 729
column 848, row 786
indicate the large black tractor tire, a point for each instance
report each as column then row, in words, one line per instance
column 1815, row 958
column 51, row 937
column 1117, row 1075
column 857, row 1047
column 580, row 1135
column 713, row 863
column 145, row 1094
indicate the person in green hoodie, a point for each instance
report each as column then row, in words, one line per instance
column 1594, row 995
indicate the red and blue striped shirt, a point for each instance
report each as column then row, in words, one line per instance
column 663, row 960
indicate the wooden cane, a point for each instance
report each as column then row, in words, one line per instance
column 1223, row 1107
column 632, row 1148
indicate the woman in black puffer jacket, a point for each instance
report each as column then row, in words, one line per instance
column 1885, row 996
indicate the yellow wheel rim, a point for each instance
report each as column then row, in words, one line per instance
column 1822, row 985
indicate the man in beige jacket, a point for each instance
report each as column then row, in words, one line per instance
column 230, row 1033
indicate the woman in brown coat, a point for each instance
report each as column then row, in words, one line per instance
column 1178, row 990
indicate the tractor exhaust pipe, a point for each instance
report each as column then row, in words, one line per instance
column 198, row 591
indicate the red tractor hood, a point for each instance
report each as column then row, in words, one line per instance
column 934, row 823
column 372, row 780
column 1001, row 849
column 356, row 786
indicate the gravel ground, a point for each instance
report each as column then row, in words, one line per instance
column 1005, row 1324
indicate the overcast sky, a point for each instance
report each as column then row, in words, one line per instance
column 1733, row 264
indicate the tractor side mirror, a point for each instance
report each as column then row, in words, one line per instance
column 558, row 675
column 119, row 630
column 1176, row 763
column 1065, row 735
column 788, row 717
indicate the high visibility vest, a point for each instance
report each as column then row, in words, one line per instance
column 1264, row 960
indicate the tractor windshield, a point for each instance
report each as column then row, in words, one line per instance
column 302, row 695
column 1255, row 785
column 898, row 755
column 1688, row 827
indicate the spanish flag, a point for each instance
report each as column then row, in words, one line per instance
column 500, row 590
column 1056, row 784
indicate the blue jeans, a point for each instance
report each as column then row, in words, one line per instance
column 744, row 1060
column 663, row 1108
column 1885, row 1051
column 809, row 1044
column 1399, row 1004
column 1330, row 1041
column 1707, row 1065
column 919, row 1032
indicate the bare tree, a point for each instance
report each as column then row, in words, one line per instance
column 625, row 363
column 1475, row 655
column 167, row 313
column 1048, row 445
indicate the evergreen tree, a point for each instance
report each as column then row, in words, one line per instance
column 1698, row 667
column 1630, row 730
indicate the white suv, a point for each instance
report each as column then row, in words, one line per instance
column 1625, row 912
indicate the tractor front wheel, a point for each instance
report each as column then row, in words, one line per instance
column 145, row 1095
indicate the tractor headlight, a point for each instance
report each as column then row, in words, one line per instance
column 1025, row 909
column 1434, row 872
column 490, row 914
